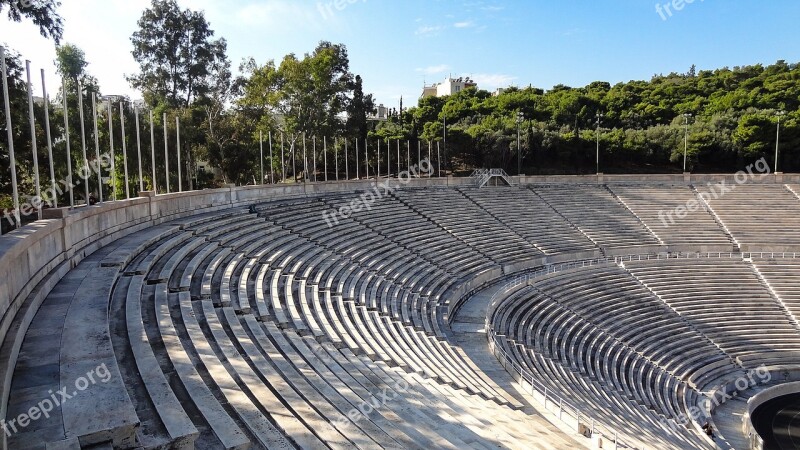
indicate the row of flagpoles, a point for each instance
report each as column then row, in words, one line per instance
column 311, row 174
column 85, row 171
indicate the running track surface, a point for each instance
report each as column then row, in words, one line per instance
column 778, row 422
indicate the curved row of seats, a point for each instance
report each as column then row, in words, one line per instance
column 760, row 217
column 652, row 335
column 658, row 208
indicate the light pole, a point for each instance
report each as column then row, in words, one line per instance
column 599, row 117
column 686, row 118
column 520, row 118
column 444, row 143
column 778, row 138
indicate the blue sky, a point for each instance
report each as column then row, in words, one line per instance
column 398, row 45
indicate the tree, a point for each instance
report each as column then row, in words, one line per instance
column 43, row 13
column 176, row 55
column 358, row 109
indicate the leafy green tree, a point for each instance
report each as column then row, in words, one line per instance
column 43, row 13
column 176, row 55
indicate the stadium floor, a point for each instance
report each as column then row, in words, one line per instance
column 778, row 422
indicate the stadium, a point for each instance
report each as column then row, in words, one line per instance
column 476, row 312
column 288, row 255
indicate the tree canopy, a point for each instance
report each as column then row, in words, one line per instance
column 43, row 13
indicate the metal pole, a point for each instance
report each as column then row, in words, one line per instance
column 778, row 139
column 346, row 166
column 357, row 164
column 398, row 158
column 113, row 173
column 366, row 158
column 685, row 140
column 283, row 161
column 325, row 154
column 271, row 161
column 32, row 122
column 138, row 147
column 336, row 156
column 9, row 130
column 378, row 164
column 430, row 172
column 153, row 152
column 294, row 162
column 178, row 143
column 388, row 158
column 97, row 150
column 444, row 144
column 166, row 155
column 305, row 160
column 66, row 139
column 519, row 145
column 54, row 200
column 408, row 155
column 597, row 167
column 314, row 158
column 84, row 174
column 419, row 151
column 124, row 149
column 439, row 158
column 261, row 154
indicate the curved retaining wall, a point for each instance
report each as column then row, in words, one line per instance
column 759, row 399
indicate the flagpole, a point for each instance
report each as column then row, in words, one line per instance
column 124, row 149
column 153, row 153
column 261, row 154
column 138, row 148
column 178, row 143
column 10, row 132
column 66, row 138
column 85, row 171
column 314, row 158
column 49, row 142
column 97, row 150
column 166, row 154
column 283, row 161
column 271, row 161
column 35, row 151
column 113, row 172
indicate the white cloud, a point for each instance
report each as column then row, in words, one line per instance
column 427, row 30
column 464, row 24
column 433, row 70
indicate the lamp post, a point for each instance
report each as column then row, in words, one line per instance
column 520, row 118
column 599, row 117
column 778, row 138
column 686, row 118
